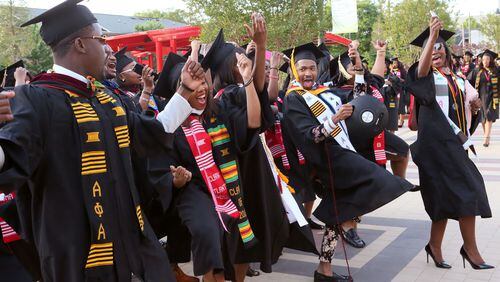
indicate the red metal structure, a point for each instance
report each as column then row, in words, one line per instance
column 143, row 45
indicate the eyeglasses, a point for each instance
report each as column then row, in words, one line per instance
column 438, row 46
column 101, row 39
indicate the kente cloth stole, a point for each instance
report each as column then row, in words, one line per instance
column 442, row 86
column 211, row 149
column 96, row 176
column 323, row 105
column 379, row 140
column 492, row 81
column 8, row 234
column 274, row 140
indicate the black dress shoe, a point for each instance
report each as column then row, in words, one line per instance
column 318, row 277
column 439, row 264
column 465, row 256
column 352, row 238
column 415, row 188
column 314, row 225
column 252, row 272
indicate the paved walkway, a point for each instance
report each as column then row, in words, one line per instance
column 397, row 233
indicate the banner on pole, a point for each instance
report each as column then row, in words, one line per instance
column 344, row 16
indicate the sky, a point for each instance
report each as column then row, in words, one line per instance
column 129, row 7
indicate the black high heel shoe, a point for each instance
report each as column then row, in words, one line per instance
column 441, row 264
column 465, row 256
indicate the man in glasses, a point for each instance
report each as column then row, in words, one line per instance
column 67, row 151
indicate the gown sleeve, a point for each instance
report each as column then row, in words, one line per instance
column 233, row 109
column 421, row 88
column 22, row 139
column 161, row 178
column 147, row 134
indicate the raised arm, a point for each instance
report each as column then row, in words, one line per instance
column 273, row 87
column 425, row 61
column 379, row 65
column 258, row 33
column 253, row 104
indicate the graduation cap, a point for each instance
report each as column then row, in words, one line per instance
column 469, row 53
column 456, row 56
column 307, row 51
column 122, row 60
column 492, row 54
column 169, row 76
column 339, row 65
column 217, row 53
column 394, row 58
column 284, row 67
column 7, row 75
column 62, row 20
column 421, row 39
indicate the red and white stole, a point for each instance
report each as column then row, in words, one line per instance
column 379, row 140
column 201, row 148
column 8, row 234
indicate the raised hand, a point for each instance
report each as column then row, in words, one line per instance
column 5, row 110
column 244, row 66
column 147, row 79
column 276, row 59
column 354, row 53
column 435, row 25
column 380, row 45
column 192, row 76
column 258, row 31
column 20, row 76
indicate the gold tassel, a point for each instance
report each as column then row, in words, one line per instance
column 292, row 66
column 343, row 71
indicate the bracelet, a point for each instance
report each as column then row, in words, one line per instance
column 381, row 51
column 146, row 92
column 142, row 99
column 248, row 82
column 274, row 77
column 185, row 87
column 360, row 70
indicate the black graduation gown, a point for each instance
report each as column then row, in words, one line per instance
column 488, row 112
column 42, row 146
column 452, row 186
column 360, row 185
column 262, row 198
column 299, row 175
column 193, row 204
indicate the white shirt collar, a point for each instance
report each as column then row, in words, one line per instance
column 62, row 70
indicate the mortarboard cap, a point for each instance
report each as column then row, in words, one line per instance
column 7, row 75
column 492, row 54
column 62, row 20
column 345, row 60
column 169, row 76
column 217, row 53
column 284, row 67
column 421, row 39
column 307, row 51
column 394, row 58
column 122, row 60
column 188, row 54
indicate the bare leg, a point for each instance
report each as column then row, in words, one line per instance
column 399, row 165
column 436, row 240
column 468, row 230
column 309, row 208
column 209, row 277
column 487, row 132
column 240, row 271
column 348, row 225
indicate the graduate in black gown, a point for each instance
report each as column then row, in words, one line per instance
column 468, row 66
column 485, row 79
column 262, row 198
column 452, row 186
column 381, row 148
column 67, row 154
column 359, row 186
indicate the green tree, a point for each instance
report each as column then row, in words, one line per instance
column 15, row 42
column 149, row 25
column 176, row 15
column 40, row 57
column 472, row 23
column 289, row 22
column 402, row 21
column 490, row 27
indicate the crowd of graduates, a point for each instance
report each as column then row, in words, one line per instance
column 110, row 171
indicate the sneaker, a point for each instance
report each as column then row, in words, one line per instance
column 352, row 238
